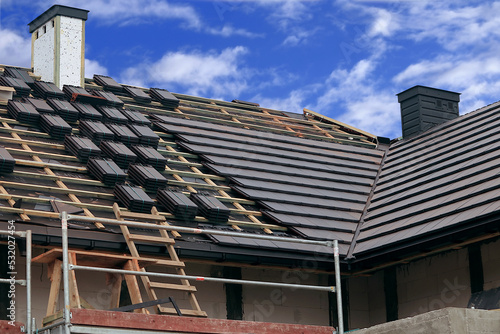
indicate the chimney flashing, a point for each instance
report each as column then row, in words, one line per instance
column 57, row 10
column 428, row 91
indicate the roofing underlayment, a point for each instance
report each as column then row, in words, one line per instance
column 253, row 170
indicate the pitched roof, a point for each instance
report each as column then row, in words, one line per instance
column 294, row 175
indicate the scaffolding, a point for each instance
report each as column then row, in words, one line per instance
column 11, row 235
column 65, row 323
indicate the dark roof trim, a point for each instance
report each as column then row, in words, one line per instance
column 57, row 10
column 429, row 91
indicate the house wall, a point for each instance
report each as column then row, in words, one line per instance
column 366, row 300
column 434, row 283
column 429, row 284
column 284, row 305
column 260, row 304
column 490, row 253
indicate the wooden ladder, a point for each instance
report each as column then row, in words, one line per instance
column 174, row 262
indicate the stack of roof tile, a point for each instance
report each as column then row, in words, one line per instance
column 164, row 97
column 96, row 131
column 48, row 90
column 124, row 134
column 65, row 109
column 55, row 126
column 119, row 153
column 81, row 147
column 106, row 171
column 211, row 208
column 22, row 89
column 70, row 90
column 112, row 115
column 147, row 177
column 138, row 94
column 40, row 105
column 87, row 111
column 149, row 156
column 136, row 117
column 177, row 203
column 134, row 198
column 7, row 162
column 146, row 135
column 22, row 111
column 108, row 83
column 19, row 74
column 112, row 99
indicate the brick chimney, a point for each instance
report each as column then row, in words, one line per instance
column 58, row 45
column 424, row 107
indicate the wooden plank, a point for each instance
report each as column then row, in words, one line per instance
column 197, row 185
column 92, row 258
column 38, row 164
column 43, row 154
column 57, row 190
column 55, row 287
column 74, row 295
column 187, row 324
column 179, row 287
column 193, row 313
column 116, row 288
column 133, row 287
column 136, row 215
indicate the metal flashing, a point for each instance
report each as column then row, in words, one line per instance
column 57, row 10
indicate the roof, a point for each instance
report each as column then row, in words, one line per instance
column 293, row 175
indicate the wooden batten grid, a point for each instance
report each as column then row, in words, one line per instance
column 239, row 208
column 174, row 262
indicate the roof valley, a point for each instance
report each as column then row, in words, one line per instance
column 352, row 246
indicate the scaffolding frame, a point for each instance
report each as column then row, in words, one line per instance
column 23, row 282
column 66, row 322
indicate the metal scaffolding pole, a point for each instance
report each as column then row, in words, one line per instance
column 198, row 230
column 337, row 288
column 23, row 282
column 204, row 279
column 64, row 228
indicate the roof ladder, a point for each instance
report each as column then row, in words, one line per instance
column 150, row 287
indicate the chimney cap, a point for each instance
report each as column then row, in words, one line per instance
column 55, row 11
column 429, row 91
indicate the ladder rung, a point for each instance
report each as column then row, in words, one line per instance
column 151, row 239
column 171, row 310
column 180, row 287
column 167, row 263
column 144, row 216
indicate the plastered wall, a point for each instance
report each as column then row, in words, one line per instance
column 43, row 52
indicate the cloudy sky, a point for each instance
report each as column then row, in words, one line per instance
column 343, row 58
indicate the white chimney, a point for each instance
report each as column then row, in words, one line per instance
column 58, row 45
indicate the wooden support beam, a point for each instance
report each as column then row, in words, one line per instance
column 55, row 276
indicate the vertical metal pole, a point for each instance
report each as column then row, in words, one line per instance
column 64, row 227
column 338, row 287
column 28, row 282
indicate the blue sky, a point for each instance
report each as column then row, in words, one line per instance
column 344, row 59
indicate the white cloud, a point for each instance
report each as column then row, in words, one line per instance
column 133, row 11
column 211, row 73
column 93, row 67
column 299, row 37
column 361, row 102
column 15, row 49
column 294, row 102
column 228, row 30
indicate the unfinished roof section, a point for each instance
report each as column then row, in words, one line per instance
column 439, row 184
column 316, row 189
column 264, row 171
